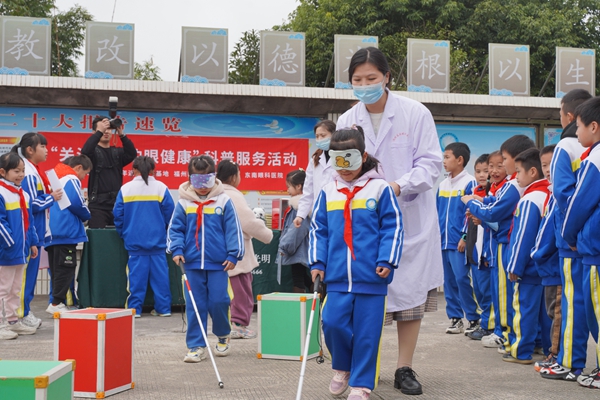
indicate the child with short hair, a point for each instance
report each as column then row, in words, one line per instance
column 206, row 236
column 545, row 256
column 67, row 230
column 582, row 218
column 355, row 261
column 460, row 299
column 18, row 239
column 522, row 272
column 498, row 210
column 142, row 212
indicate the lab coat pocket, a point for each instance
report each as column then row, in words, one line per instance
column 411, row 215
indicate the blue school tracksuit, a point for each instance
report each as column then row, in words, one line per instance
column 564, row 168
column 354, row 309
column 142, row 213
column 498, row 210
column 459, row 294
column 15, row 242
column 206, row 247
column 529, row 310
column 580, row 228
column 40, row 205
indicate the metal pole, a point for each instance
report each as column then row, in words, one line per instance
column 547, row 79
column 329, row 71
column 487, row 60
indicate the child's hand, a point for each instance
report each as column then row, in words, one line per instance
column 396, row 188
column 476, row 221
column 478, row 198
column 461, row 246
column 57, row 194
column 228, row 266
column 573, row 248
column 383, row 272
column 178, row 260
column 298, row 222
column 316, row 272
column 513, row 277
column 34, row 252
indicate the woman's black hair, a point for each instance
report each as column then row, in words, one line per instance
column 295, row 178
column 30, row 139
column 227, row 170
column 353, row 138
column 203, row 164
column 330, row 126
column 145, row 165
column 10, row 161
column 371, row 55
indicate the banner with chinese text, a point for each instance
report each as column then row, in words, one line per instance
column 109, row 50
column 282, row 58
column 204, row 55
column 25, row 47
column 575, row 69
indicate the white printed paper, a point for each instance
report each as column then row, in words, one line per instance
column 64, row 201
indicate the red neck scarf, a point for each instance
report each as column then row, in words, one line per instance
column 539, row 186
column 586, row 153
column 348, row 215
column 496, row 185
column 199, row 217
column 45, row 180
column 22, row 202
column 480, row 191
column 63, row 170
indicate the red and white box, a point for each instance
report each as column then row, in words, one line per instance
column 100, row 340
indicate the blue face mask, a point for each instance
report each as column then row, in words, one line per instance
column 369, row 94
column 324, row 144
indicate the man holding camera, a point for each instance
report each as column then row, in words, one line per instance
column 106, row 177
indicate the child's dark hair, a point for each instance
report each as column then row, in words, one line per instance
column 496, row 153
column 517, row 144
column 530, row 158
column 227, row 170
column 548, row 149
column 295, row 178
column 330, row 126
column 589, row 111
column 460, row 150
column 353, row 138
column 81, row 159
column 30, row 139
column 10, row 161
column 371, row 55
column 573, row 99
column 482, row 159
column 96, row 120
column 203, row 164
column 145, row 165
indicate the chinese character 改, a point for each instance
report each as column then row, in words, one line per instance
column 210, row 57
column 144, row 124
column 113, row 49
column 171, row 124
column 429, row 63
column 285, row 60
column 23, row 43
column 502, row 71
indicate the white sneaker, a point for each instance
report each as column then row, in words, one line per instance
column 21, row 329
column 222, row 347
column 195, row 355
column 32, row 320
column 59, row 308
column 456, row 326
column 7, row 334
column 492, row 341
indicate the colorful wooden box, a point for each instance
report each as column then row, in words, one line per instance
column 35, row 380
column 100, row 340
column 283, row 324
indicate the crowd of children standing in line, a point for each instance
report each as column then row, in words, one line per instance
column 520, row 248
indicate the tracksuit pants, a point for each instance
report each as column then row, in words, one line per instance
column 481, row 286
column 352, row 325
column 31, row 273
column 529, row 316
column 591, row 293
column 242, row 303
column 11, row 281
column 145, row 269
column 460, row 298
column 502, row 297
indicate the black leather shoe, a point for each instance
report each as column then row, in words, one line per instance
column 406, row 381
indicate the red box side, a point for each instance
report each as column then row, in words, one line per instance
column 78, row 340
column 118, row 351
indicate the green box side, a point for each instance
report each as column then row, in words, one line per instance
column 280, row 328
column 17, row 389
column 62, row 388
column 25, row 369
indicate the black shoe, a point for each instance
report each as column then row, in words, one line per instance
column 406, row 381
column 479, row 333
column 473, row 326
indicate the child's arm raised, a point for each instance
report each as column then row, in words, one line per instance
column 504, row 205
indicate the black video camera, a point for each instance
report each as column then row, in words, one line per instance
column 115, row 122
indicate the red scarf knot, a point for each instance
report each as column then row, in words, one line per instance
column 585, row 154
column 199, row 217
column 496, row 185
column 44, row 178
column 539, row 186
column 22, row 203
column 348, row 215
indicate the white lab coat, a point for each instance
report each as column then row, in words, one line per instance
column 316, row 177
column 408, row 148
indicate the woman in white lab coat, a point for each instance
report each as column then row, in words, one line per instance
column 401, row 134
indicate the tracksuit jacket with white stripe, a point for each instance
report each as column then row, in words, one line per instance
column 451, row 210
column 220, row 237
column 377, row 235
column 545, row 252
column 14, row 241
column 153, row 201
column 582, row 217
column 40, row 200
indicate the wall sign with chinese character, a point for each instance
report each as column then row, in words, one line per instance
column 428, row 65
column 282, row 58
column 25, row 46
column 109, row 50
column 575, row 69
column 204, row 55
column 344, row 48
column 509, row 69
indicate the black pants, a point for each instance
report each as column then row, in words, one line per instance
column 63, row 260
column 101, row 218
column 301, row 276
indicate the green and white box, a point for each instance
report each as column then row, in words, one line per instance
column 36, row 380
column 283, row 324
